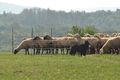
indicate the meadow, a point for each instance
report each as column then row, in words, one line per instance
column 59, row 67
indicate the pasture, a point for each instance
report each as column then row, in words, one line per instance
column 59, row 67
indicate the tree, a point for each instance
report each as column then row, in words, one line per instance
column 83, row 31
column 78, row 29
column 4, row 13
column 90, row 31
column 75, row 30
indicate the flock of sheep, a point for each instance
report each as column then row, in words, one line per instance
column 100, row 44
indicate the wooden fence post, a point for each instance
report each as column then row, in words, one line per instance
column 12, row 41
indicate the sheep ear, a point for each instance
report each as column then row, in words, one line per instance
column 35, row 38
column 44, row 38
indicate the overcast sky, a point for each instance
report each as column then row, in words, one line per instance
column 65, row 4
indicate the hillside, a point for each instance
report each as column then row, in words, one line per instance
column 7, row 7
column 61, row 22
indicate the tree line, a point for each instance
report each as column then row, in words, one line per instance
column 60, row 22
column 102, row 20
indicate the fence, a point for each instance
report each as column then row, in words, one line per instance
column 17, row 39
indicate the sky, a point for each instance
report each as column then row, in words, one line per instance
column 65, row 4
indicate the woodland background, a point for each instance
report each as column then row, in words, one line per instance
column 61, row 23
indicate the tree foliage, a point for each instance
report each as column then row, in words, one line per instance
column 90, row 31
column 83, row 31
column 61, row 22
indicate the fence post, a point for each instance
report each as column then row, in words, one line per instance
column 32, row 42
column 12, row 41
column 32, row 33
column 51, row 32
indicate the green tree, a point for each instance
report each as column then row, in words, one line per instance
column 75, row 29
column 83, row 31
column 90, row 31
column 78, row 29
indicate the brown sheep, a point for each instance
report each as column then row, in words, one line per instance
column 101, row 35
column 93, row 40
column 88, row 35
column 35, row 46
column 42, row 43
column 25, row 44
column 112, row 43
column 61, row 42
column 69, row 35
column 103, row 41
column 115, row 34
column 27, row 50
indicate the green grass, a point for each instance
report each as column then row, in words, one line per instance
column 59, row 67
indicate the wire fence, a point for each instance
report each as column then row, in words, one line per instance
column 16, row 40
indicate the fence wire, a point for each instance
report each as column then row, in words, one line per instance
column 16, row 40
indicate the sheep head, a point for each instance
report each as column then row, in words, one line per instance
column 15, row 51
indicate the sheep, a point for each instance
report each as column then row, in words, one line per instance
column 61, row 42
column 112, row 43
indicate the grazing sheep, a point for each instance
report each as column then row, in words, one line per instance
column 112, row 43
column 61, row 42
column 34, row 46
column 26, row 50
column 79, row 48
column 25, row 44
column 45, row 45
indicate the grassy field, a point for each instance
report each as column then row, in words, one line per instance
column 59, row 67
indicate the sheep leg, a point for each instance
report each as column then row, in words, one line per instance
column 47, row 51
column 67, row 51
column 34, row 51
column 118, row 50
column 42, row 51
column 111, row 51
column 114, row 51
column 96, row 51
column 52, row 50
column 38, row 51
column 56, row 50
column 62, row 50
column 26, row 51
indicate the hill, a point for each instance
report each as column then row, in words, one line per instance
column 7, row 7
column 45, row 21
